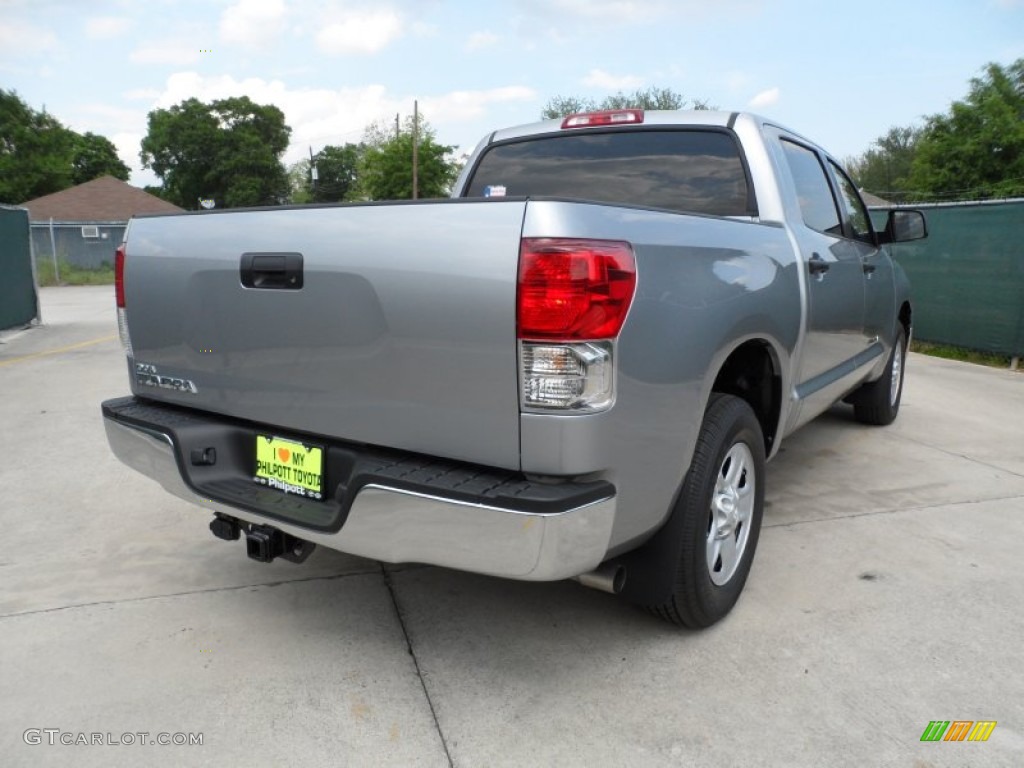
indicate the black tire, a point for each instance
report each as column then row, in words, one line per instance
column 879, row 402
column 697, row 601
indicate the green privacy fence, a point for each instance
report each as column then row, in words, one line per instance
column 18, row 305
column 967, row 277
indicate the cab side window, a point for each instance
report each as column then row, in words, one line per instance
column 853, row 206
column 817, row 204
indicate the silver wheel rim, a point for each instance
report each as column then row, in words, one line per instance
column 732, row 506
column 897, row 373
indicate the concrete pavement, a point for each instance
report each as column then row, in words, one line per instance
column 887, row 592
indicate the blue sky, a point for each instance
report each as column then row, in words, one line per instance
column 840, row 73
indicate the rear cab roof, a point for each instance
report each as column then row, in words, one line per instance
column 748, row 127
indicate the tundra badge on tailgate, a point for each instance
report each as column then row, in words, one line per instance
column 146, row 375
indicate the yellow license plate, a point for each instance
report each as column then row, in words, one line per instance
column 289, row 466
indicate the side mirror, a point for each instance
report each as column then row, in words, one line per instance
column 903, row 226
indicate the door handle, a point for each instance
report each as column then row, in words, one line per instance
column 277, row 271
column 817, row 265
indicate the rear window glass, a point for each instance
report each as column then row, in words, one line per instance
column 681, row 170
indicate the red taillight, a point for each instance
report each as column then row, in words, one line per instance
column 572, row 290
column 605, row 117
column 119, row 275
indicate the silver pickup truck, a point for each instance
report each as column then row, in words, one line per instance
column 577, row 367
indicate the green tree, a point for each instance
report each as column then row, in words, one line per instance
column 560, row 106
column 228, row 150
column 884, row 169
column 156, row 191
column 96, row 156
column 644, row 98
column 385, row 171
column 299, row 183
column 976, row 149
column 36, row 151
column 337, row 172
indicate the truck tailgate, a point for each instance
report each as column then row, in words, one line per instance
column 402, row 333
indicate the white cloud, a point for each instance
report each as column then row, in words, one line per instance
column 316, row 115
column 765, row 98
column 107, row 27
column 123, row 126
column 173, row 53
column 482, row 39
column 359, row 32
column 612, row 10
column 103, row 117
column 252, row 22
column 320, row 116
column 128, row 145
column 19, row 39
column 621, row 12
column 464, row 105
column 598, row 78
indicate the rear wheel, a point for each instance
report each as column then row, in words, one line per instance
column 721, row 502
column 879, row 402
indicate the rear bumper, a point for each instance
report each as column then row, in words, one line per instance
column 392, row 510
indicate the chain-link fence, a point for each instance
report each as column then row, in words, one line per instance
column 84, row 245
column 18, row 301
column 967, row 277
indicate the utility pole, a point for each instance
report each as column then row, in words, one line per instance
column 313, row 175
column 415, row 150
column 397, row 129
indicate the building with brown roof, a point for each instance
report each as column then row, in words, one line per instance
column 84, row 224
column 102, row 199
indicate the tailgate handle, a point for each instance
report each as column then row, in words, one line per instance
column 280, row 271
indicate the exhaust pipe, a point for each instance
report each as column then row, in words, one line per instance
column 610, row 577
